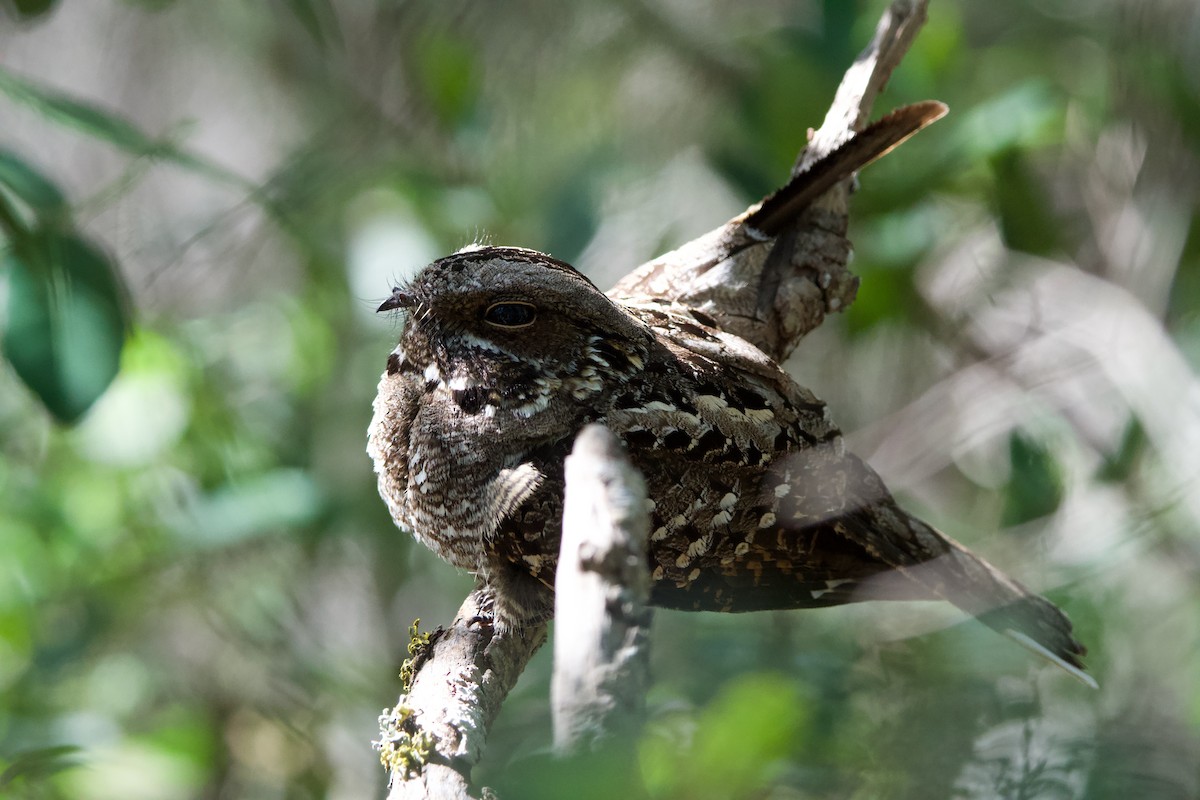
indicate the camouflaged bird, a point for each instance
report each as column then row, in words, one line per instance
column 755, row 503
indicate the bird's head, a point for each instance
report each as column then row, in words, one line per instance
column 503, row 330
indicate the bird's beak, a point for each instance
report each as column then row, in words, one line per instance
column 399, row 299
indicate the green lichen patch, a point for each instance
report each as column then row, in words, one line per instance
column 419, row 645
column 403, row 747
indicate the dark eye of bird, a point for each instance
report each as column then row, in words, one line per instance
column 510, row 314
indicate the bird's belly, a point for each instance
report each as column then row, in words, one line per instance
column 444, row 499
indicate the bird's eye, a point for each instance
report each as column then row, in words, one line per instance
column 510, row 314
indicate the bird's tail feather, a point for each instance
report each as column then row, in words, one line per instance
column 1001, row 603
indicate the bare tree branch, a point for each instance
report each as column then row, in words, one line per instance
column 864, row 80
column 435, row 734
column 601, row 591
column 771, row 287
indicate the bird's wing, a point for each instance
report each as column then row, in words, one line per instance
column 787, row 517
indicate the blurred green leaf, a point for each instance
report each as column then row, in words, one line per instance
column 574, row 217
column 1027, row 222
column 1035, row 488
column 85, row 117
column 448, row 72
column 1119, row 465
column 33, row 765
column 787, row 95
column 599, row 774
column 28, row 9
column 751, row 724
column 106, row 126
column 884, row 295
column 66, row 320
column 179, row 734
column 268, row 503
column 738, row 743
column 1029, row 115
column 318, row 18
column 32, row 188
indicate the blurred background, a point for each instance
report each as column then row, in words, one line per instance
column 201, row 595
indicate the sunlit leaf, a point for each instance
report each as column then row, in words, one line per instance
column 737, row 745
column 66, row 320
column 1028, row 115
column 746, row 729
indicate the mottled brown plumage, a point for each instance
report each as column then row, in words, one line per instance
column 506, row 353
column 756, row 503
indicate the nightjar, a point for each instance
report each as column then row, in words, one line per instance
column 506, row 353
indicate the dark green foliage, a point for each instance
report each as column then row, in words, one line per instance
column 447, row 70
column 66, row 318
column 1035, row 488
column 21, row 184
column 1026, row 219
column 1120, row 464
column 27, row 9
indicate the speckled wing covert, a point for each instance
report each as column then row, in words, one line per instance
column 800, row 522
column 757, row 505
